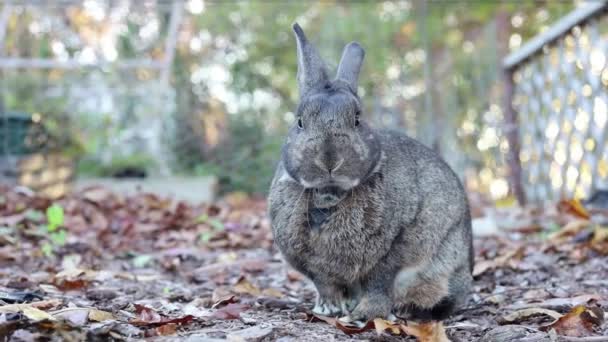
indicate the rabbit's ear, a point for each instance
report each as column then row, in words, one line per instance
column 312, row 73
column 350, row 65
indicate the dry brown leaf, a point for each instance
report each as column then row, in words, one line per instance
column 46, row 304
column 426, row 332
column 521, row 315
column 244, row 286
column 570, row 229
column 599, row 242
column 166, row 329
column 96, row 194
column 511, row 258
column 228, row 299
column 230, row 311
column 556, row 303
column 149, row 317
column 579, row 322
column 73, row 279
column 345, row 327
column 573, row 207
column 483, row 266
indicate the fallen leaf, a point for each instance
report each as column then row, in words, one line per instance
column 73, row 279
column 254, row 266
column 573, row 207
column 244, row 286
column 47, row 304
column 570, row 229
column 345, row 327
column 96, row 194
column 522, row 315
column 228, row 299
column 599, row 242
column 230, row 311
column 558, row 303
column 426, row 332
column 11, row 220
column 167, row 329
column 383, row 325
column 145, row 315
column 100, row 316
column 511, row 259
column 271, row 292
column 28, row 311
column 579, row 322
column 483, row 266
column 149, row 317
column 76, row 316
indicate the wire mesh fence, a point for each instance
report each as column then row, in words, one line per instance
column 561, row 97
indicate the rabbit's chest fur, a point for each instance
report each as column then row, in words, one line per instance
column 342, row 243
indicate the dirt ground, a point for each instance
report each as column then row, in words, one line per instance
column 144, row 267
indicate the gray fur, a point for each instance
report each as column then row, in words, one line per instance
column 374, row 218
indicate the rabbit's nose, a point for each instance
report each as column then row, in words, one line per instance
column 337, row 165
column 329, row 164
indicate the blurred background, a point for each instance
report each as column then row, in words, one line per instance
column 194, row 97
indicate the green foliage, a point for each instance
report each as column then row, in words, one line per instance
column 54, row 217
column 57, row 237
column 214, row 223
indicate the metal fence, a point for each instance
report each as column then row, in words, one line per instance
column 560, row 96
column 116, row 105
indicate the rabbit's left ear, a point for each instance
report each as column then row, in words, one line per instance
column 350, row 65
column 312, row 73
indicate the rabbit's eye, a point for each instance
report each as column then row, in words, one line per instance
column 300, row 125
column 357, row 121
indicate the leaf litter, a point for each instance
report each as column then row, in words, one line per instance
column 142, row 266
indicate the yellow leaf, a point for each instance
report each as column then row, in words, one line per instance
column 426, row 332
column 100, row 316
column 383, row 325
column 28, row 311
column 273, row 293
column 244, row 286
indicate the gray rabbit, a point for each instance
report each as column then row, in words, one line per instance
column 379, row 222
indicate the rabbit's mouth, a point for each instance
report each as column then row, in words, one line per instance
column 334, row 184
column 328, row 196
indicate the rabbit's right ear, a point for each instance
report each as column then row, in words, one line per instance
column 312, row 73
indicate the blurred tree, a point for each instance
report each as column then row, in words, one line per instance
column 236, row 65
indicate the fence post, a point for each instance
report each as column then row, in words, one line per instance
column 511, row 129
column 511, row 122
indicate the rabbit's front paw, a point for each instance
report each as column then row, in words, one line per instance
column 327, row 307
column 368, row 309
